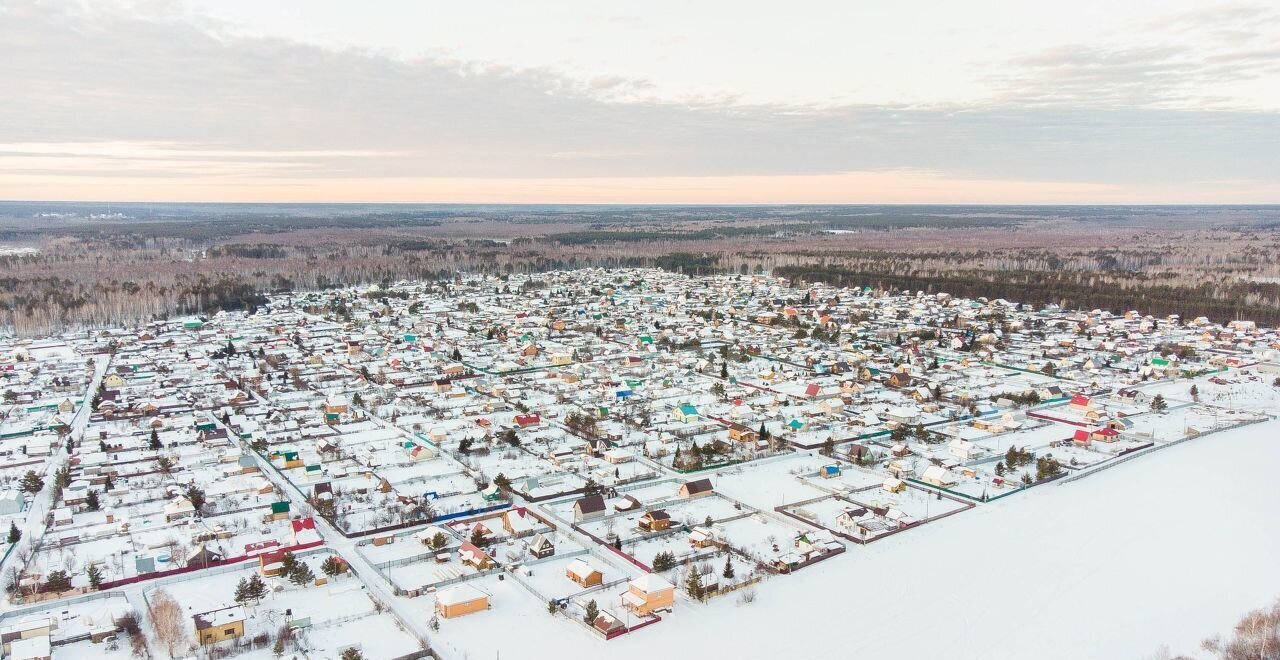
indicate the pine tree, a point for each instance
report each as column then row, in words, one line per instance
column 95, row 576
column 31, row 482
column 242, row 592
column 1158, row 403
column 333, row 565
column 728, row 568
column 257, row 588
column 91, row 501
column 14, row 533
column 693, row 584
column 155, row 440
column 301, row 574
column 592, row 612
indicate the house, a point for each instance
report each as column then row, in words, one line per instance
column 24, row 629
column 899, row 380
column 525, row 421
column 517, row 522
column 469, row 553
column 893, row 485
column 304, row 530
column 583, row 573
column 30, row 648
column 742, row 433
column 699, row 488
column 607, row 624
column 655, row 521
column 460, row 600
column 702, row 537
column 219, row 625
column 541, row 547
column 589, row 508
column 648, row 593
column 685, row 413
column 938, row 476
column 963, row 449
column 11, row 501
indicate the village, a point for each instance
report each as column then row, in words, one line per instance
column 398, row 471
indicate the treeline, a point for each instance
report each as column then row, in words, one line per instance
column 1219, row 301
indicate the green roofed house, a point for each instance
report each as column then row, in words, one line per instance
column 685, row 413
column 279, row 507
column 193, row 325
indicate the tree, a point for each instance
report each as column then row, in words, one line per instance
column 1000, row 469
column 287, row 561
column 14, row 533
column 352, row 653
column 1195, row 393
column 31, row 482
column 663, row 561
column 552, row 607
column 95, row 576
column 1049, row 369
column 478, row 537
column 57, row 581
column 168, row 622
column 242, row 595
column 693, row 584
column 333, row 565
column 728, row 568
column 502, row 482
column 91, row 501
column 439, row 541
column 196, row 495
column 301, row 574
column 592, row 612
column 1158, row 404
column 590, row 488
column 464, row 445
column 510, row 437
column 165, row 464
column 829, row 446
column 155, row 440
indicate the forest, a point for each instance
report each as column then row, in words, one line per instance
column 83, row 265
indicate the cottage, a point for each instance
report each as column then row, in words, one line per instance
column 589, row 508
column 655, row 521
column 648, row 593
column 938, row 476
column 460, row 600
column 469, row 553
column 583, row 573
column 219, row 625
column 698, row 488
column 541, row 547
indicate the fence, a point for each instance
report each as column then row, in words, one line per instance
column 1124, row 459
column 200, row 567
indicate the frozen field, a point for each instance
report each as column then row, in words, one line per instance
column 1120, row 537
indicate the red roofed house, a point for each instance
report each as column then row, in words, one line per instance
column 812, row 390
column 524, row 421
column 304, row 531
column 470, row 554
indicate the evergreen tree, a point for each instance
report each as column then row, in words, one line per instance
column 728, row 568
column 592, row 612
column 301, row 574
column 242, row 592
column 333, row 565
column 95, row 576
column 693, row 584
column 57, row 581
column 31, row 482
column 155, row 440
column 1158, row 404
column 257, row 587
column 91, row 501
column 15, row 534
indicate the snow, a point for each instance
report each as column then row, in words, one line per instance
column 1111, row 566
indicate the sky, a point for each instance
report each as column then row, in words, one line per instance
column 929, row 101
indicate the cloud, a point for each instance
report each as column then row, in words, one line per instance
column 91, row 94
column 1184, row 60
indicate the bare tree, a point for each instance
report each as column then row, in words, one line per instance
column 167, row 622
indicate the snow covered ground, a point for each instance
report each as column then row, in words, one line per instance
column 1168, row 549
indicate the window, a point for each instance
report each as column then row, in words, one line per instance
column 229, row 631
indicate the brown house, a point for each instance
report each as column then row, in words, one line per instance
column 655, row 521
column 219, row 625
column 696, row 488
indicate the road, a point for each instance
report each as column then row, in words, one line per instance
column 34, row 526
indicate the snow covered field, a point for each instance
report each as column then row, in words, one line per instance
column 1112, row 566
